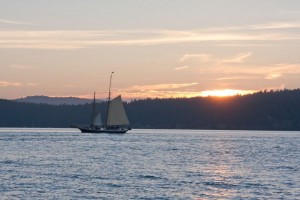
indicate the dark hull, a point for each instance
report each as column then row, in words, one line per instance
column 98, row 131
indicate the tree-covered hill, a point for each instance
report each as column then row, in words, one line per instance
column 55, row 100
column 278, row 110
column 272, row 110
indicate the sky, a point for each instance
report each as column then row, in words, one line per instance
column 156, row 49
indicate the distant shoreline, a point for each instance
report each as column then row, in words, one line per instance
column 268, row 110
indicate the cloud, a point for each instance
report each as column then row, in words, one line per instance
column 219, row 66
column 7, row 84
column 13, row 22
column 200, row 57
column 166, row 86
column 158, row 94
column 257, row 27
column 279, row 70
column 160, row 90
column 233, row 78
column 214, row 60
column 267, row 72
column 240, row 58
column 175, row 91
column 272, row 76
column 181, row 68
column 275, row 25
column 72, row 40
column 16, row 84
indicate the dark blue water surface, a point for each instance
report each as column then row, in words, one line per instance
column 149, row 164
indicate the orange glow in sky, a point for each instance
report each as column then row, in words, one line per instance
column 194, row 53
column 225, row 92
column 175, row 94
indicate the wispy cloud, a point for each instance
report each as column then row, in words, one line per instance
column 165, row 86
column 272, row 76
column 176, row 90
column 267, row 72
column 275, row 25
column 238, row 58
column 14, row 22
column 181, row 68
column 64, row 39
column 157, row 94
column 225, row 65
column 215, row 60
column 16, row 84
column 234, row 78
column 199, row 57
column 160, row 90
column 226, row 70
column 262, row 27
column 7, row 83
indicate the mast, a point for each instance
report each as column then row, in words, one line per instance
column 108, row 100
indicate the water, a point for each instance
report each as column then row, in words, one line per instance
column 149, row 164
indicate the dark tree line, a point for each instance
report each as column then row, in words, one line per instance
column 265, row 110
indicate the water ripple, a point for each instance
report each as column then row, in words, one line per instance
column 149, row 164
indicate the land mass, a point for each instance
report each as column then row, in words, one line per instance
column 55, row 100
column 265, row 110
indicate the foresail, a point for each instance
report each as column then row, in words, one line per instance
column 97, row 120
column 116, row 113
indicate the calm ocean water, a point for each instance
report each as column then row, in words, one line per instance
column 149, row 164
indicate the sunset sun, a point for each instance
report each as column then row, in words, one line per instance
column 225, row 92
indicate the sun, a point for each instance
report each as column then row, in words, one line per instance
column 224, row 93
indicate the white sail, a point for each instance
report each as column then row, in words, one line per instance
column 97, row 120
column 116, row 113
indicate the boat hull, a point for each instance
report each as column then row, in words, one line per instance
column 98, row 131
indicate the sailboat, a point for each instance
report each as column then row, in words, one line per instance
column 116, row 120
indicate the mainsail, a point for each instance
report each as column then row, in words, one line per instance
column 116, row 113
column 97, row 120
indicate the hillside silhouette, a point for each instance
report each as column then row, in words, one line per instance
column 55, row 100
column 265, row 110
